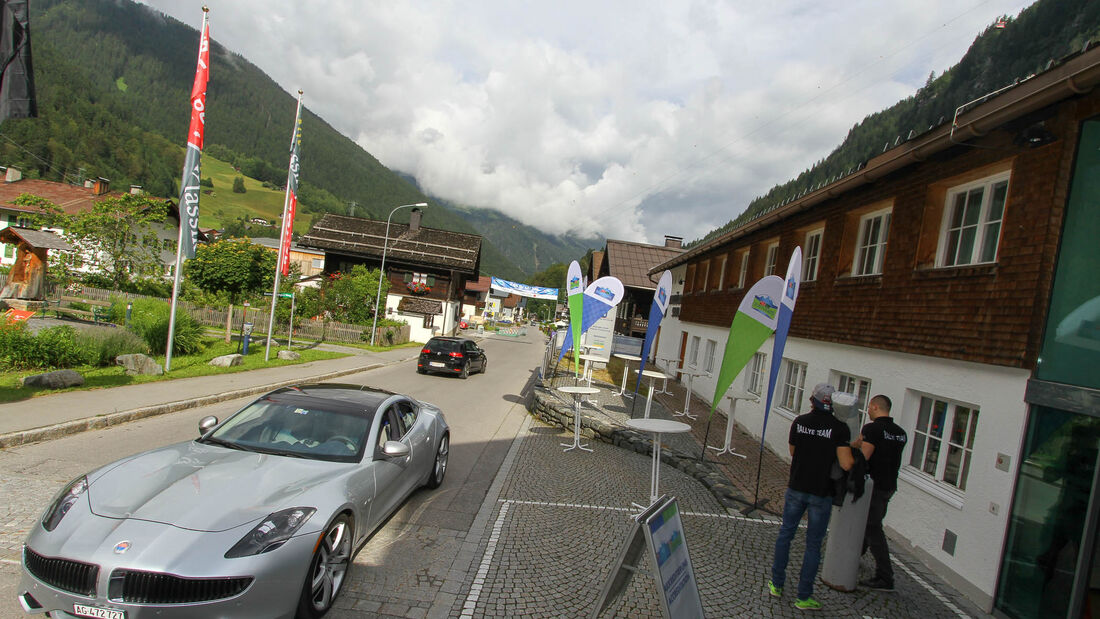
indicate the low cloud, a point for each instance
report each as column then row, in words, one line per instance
column 627, row 119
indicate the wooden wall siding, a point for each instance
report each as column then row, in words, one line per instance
column 439, row 290
column 986, row 313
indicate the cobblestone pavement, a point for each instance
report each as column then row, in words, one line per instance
column 560, row 519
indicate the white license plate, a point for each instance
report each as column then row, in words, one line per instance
column 436, row 364
column 99, row 613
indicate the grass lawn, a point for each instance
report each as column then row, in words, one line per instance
column 182, row 367
column 219, row 206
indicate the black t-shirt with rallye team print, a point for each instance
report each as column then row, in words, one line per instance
column 815, row 437
column 889, row 441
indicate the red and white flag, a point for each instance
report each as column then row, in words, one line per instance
column 189, row 186
column 291, row 193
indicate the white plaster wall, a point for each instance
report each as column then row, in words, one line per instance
column 417, row 331
column 922, row 509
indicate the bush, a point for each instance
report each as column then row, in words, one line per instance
column 151, row 287
column 110, row 342
column 56, row 347
column 149, row 320
column 238, row 185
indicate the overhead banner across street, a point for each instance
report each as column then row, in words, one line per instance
column 523, row 290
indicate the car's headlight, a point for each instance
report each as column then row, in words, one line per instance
column 64, row 501
column 272, row 532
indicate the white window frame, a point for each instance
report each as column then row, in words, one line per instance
column 792, row 384
column 744, row 270
column 693, row 351
column 709, row 355
column 983, row 229
column 812, row 256
column 706, row 275
column 772, row 258
column 857, row 386
column 722, row 273
column 317, row 263
column 754, row 378
column 934, row 473
column 870, row 252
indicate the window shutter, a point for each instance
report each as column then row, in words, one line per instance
column 431, row 280
column 408, row 277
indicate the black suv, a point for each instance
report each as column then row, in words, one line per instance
column 451, row 355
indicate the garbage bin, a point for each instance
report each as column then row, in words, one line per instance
column 840, row 570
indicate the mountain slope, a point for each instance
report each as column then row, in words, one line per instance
column 113, row 82
column 1045, row 31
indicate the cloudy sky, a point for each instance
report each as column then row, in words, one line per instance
column 632, row 119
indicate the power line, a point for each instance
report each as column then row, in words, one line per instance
column 62, row 173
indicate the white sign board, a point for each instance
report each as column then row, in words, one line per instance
column 600, row 336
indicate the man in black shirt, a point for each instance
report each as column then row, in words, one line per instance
column 816, row 441
column 882, row 442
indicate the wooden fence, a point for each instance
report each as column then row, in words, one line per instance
column 328, row 330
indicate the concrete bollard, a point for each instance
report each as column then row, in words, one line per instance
column 840, row 570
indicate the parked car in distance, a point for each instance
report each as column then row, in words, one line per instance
column 259, row 517
column 457, row 356
column 463, row 325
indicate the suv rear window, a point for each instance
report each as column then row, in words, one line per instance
column 444, row 346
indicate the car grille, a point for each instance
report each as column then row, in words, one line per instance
column 71, row 576
column 137, row 587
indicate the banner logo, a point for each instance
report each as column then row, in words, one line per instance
column 662, row 297
column 605, row 293
column 792, row 289
column 765, row 306
column 575, row 283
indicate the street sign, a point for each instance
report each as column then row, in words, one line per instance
column 284, row 295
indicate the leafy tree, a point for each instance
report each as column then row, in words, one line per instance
column 347, row 297
column 117, row 235
column 233, row 266
column 238, row 185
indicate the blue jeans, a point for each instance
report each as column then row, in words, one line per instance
column 820, row 509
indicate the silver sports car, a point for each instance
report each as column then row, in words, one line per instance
column 259, row 517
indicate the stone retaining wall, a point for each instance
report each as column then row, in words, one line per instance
column 544, row 406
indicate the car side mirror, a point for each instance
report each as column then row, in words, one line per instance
column 395, row 449
column 206, row 424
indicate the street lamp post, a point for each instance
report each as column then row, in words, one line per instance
column 382, row 271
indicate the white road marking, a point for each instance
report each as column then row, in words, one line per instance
column 487, row 558
column 939, row 596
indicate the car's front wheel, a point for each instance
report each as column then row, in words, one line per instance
column 439, row 467
column 327, row 570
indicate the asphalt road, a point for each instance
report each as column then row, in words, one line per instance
column 401, row 570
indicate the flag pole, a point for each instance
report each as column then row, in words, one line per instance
column 190, row 193
column 286, row 232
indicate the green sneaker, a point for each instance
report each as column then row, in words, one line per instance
column 807, row 604
column 774, row 590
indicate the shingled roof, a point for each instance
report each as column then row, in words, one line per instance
column 356, row 236
column 72, row 199
column 41, row 239
column 631, row 262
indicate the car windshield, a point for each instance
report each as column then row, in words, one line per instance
column 296, row 429
column 445, row 346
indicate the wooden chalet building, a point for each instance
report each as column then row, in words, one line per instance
column 630, row 262
column 73, row 199
column 956, row 274
column 427, row 268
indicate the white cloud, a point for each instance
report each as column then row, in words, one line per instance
column 630, row 119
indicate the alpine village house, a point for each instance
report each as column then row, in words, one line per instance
column 427, row 268
column 955, row 273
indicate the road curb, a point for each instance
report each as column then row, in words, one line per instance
column 76, row 426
